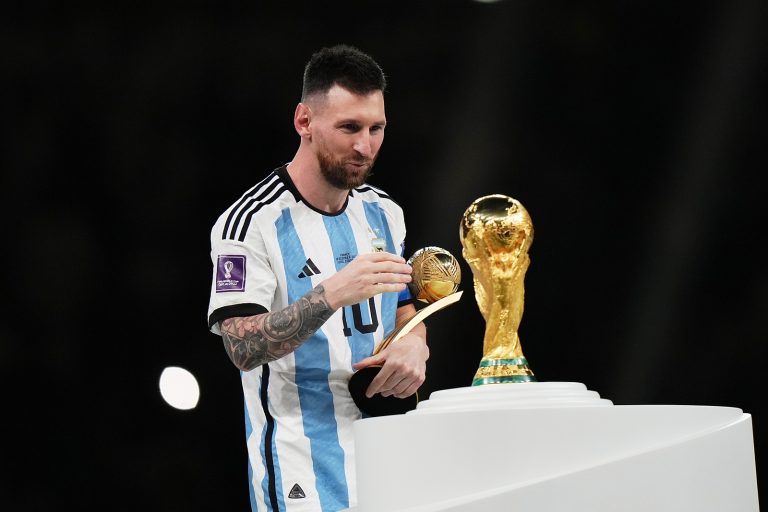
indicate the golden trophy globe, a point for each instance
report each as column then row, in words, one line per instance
column 436, row 274
column 496, row 233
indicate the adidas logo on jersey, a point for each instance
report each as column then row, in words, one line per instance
column 309, row 270
column 296, row 492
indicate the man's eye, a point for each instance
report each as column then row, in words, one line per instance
column 350, row 127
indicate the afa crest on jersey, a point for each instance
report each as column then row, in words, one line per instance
column 378, row 244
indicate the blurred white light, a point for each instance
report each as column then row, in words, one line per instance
column 179, row 388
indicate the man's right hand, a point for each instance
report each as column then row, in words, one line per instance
column 365, row 276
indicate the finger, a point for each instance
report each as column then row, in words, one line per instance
column 368, row 361
column 410, row 389
column 391, row 384
column 381, row 256
column 389, row 287
column 382, row 382
column 390, row 278
column 403, row 383
column 403, row 388
column 389, row 267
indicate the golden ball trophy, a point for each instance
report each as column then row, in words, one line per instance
column 436, row 274
column 435, row 280
column 496, row 233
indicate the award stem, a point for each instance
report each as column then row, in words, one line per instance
column 405, row 327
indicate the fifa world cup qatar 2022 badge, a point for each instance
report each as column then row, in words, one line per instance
column 230, row 273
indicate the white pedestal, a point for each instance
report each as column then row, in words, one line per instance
column 554, row 446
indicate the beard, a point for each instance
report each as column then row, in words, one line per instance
column 338, row 175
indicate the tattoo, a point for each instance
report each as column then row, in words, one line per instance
column 254, row 340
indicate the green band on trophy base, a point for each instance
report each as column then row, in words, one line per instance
column 504, row 380
column 503, row 371
column 517, row 361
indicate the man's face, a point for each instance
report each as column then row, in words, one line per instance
column 347, row 132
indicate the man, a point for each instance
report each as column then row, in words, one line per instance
column 308, row 277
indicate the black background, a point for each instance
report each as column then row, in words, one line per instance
column 633, row 132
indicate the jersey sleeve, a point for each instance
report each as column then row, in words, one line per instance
column 243, row 283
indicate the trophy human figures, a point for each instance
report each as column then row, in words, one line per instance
column 496, row 233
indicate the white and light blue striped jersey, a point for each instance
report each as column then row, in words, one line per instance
column 269, row 249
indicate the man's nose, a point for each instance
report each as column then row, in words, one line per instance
column 363, row 144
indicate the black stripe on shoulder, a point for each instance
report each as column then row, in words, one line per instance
column 252, row 210
column 378, row 191
column 267, row 195
column 247, row 197
column 375, row 190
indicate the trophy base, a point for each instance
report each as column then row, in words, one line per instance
column 554, row 446
column 503, row 371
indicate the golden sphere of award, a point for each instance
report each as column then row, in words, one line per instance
column 496, row 233
column 436, row 274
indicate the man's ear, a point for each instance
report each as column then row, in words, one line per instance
column 302, row 119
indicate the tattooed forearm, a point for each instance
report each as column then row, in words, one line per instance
column 254, row 340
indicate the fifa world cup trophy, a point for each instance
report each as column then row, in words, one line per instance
column 496, row 233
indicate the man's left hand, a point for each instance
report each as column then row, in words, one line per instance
column 404, row 365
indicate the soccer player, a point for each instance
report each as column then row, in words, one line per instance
column 308, row 276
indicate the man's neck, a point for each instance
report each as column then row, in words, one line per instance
column 305, row 173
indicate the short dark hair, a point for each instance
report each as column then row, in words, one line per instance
column 342, row 65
